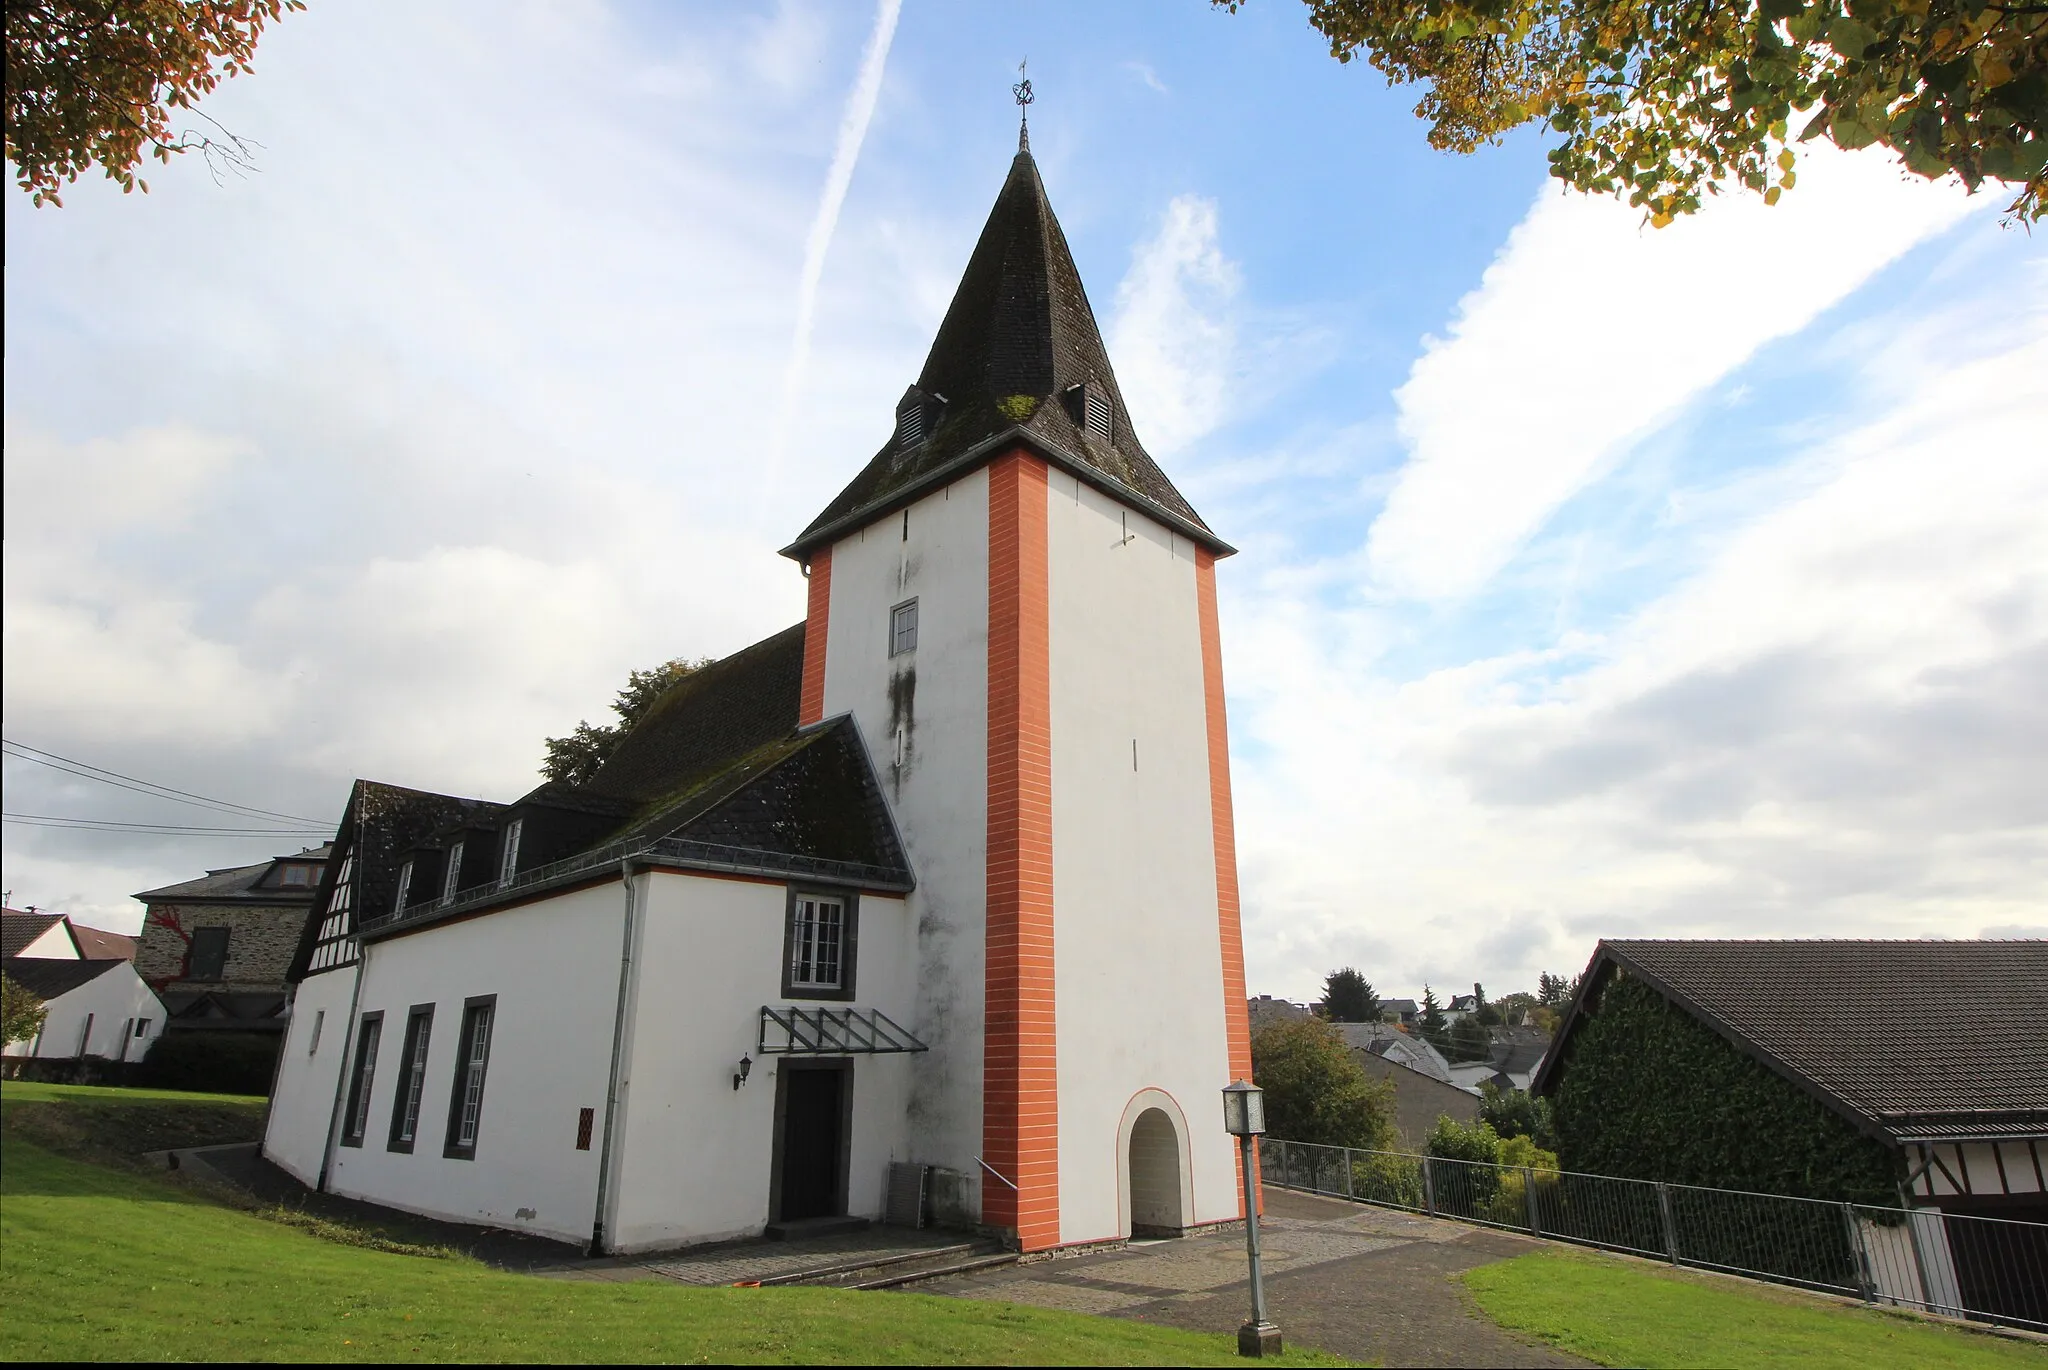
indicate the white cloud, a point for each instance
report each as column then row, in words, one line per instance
column 1590, row 330
column 394, row 459
column 1837, row 726
column 1173, row 338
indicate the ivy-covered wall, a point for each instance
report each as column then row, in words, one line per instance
column 1648, row 1092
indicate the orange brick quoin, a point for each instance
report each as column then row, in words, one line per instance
column 1020, row 1083
column 811, row 700
column 1236, row 1017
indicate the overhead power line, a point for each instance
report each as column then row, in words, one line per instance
column 87, row 771
column 44, row 820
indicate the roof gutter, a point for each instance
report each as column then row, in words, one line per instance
column 607, row 1147
column 986, row 450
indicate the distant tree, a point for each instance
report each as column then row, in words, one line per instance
column 1488, row 1015
column 577, row 757
column 1663, row 101
column 1517, row 1113
column 1556, row 991
column 1514, row 1008
column 21, row 1012
column 1468, row 1040
column 1348, row 997
column 93, row 83
column 1315, row 1089
column 1431, row 1020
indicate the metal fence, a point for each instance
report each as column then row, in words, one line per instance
column 1990, row 1269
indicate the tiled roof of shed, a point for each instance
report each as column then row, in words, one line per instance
column 1017, row 335
column 1842, row 1019
column 19, row 928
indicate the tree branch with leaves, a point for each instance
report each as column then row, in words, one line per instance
column 1663, row 102
column 94, row 83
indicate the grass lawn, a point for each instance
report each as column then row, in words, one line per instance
column 32, row 1092
column 1620, row 1312
column 103, row 1263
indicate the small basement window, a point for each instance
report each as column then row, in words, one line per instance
column 903, row 628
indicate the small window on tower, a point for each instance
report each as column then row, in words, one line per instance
column 903, row 628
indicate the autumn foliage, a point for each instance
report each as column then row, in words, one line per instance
column 1663, row 101
column 96, row 82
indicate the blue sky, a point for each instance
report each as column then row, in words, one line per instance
column 1594, row 581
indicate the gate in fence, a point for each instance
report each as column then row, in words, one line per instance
column 1990, row 1269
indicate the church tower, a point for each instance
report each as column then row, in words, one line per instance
column 1018, row 609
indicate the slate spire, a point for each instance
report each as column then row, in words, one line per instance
column 1018, row 355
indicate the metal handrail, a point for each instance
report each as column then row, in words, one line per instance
column 1989, row 1269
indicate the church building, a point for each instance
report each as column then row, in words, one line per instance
column 938, row 883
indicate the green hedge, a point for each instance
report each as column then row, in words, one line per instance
column 1650, row 1093
column 211, row 1062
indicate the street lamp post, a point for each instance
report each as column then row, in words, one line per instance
column 1244, row 1117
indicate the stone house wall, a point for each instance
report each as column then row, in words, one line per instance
column 262, row 939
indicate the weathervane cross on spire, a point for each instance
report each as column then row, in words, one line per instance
column 1022, row 90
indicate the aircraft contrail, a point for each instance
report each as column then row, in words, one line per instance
column 853, row 130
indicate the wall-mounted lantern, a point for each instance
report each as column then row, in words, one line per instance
column 1244, row 1117
column 739, row 1077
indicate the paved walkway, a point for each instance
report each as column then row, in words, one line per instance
column 1366, row 1283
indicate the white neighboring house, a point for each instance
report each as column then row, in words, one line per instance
column 98, row 1009
column 944, row 876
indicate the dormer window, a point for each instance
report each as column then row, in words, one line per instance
column 910, row 425
column 452, row 881
column 917, row 413
column 296, row 877
column 404, row 888
column 1088, row 405
column 508, row 861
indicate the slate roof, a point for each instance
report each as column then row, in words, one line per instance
column 1843, row 1020
column 708, row 720
column 243, row 884
column 46, row 979
column 1017, row 335
column 19, row 928
column 717, row 774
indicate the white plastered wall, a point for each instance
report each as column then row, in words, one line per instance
column 554, row 967
column 302, row 1098
column 939, row 695
column 107, row 1005
column 696, row 1155
column 1137, row 952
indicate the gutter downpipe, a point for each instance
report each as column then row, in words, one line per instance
column 348, row 1042
column 611, row 1096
